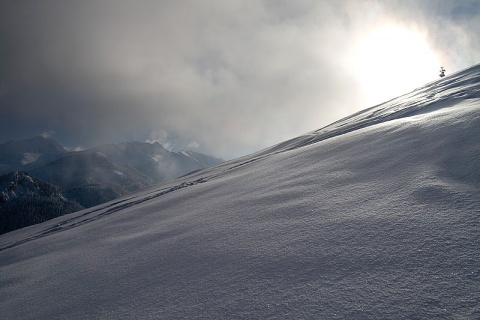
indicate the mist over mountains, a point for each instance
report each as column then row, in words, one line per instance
column 28, row 153
column 85, row 178
column 375, row 216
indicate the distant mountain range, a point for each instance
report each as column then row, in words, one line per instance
column 84, row 178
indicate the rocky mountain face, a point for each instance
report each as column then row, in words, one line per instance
column 92, row 176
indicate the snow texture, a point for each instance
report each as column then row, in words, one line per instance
column 376, row 216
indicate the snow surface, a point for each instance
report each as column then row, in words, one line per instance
column 376, row 216
column 119, row 173
column 29, row 157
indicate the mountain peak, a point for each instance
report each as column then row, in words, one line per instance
column 35, row 144
column 39, row 149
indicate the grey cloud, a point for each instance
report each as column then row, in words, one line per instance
column 230, row 77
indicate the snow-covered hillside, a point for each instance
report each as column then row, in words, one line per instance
column 376, row 216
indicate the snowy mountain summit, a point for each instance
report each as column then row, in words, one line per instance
column 376, row 216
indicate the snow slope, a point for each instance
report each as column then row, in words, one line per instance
column 376, row 216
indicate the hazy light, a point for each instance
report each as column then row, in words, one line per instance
column 392, row 60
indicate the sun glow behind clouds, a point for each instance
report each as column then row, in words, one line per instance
column 393, row 60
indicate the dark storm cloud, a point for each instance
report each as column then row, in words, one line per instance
column 227, row 76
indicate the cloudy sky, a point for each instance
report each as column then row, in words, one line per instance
column 224, row 77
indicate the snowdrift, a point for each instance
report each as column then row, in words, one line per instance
column 376, row 216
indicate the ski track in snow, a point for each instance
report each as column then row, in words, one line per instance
column 376, row 216
column 99, row 212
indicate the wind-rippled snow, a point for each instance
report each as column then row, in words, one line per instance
column 376, row 216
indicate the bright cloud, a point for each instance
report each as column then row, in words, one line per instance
column 391, row 60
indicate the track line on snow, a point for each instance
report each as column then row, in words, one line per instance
column 107, row 210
